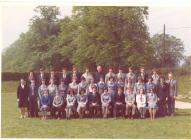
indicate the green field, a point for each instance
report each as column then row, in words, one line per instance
column 178, row 126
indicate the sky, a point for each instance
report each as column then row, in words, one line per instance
column 15, row 20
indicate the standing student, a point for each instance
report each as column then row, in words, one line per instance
column 54, row 77
column 130, row 103
column 52, row 90
column 88, row 76
column 129, row 84
column 75, row 74
column 110, row 74
column 65, row 76
column 139, row 85
column 131, row 76
column 57, row 105
column 162, row 93
column 120, row 75
column 94, row 103
column 141, row 103
column 143, row 75
column 63, row 88
column 112, row 87
column 101, row 85
column 99, row 74
column 71, row 102
column 82, row 100
column 74, row 85
column 31, row 77
column 149, row 85
column 42, row 88
column 120, row 83
column 172, row 84
column 45, row 101
column 41, row 77
column 33, row 97
column 22, row 97
column 105, row 101
column 119, row 103
column 152, row 103
column 83, row 85
column 155, row 77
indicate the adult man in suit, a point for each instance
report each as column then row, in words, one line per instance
column 99, row 74
column 172, row 93
column 65, row 76
column 143, row 75
column 33, row 95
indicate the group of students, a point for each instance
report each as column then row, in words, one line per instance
column 127, row 95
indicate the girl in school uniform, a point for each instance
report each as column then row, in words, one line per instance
column 57, row 105
column 45, row 104
column 139, row 85
column 42, row 88
column 74, row 85
column 71, row 102
column 91, row 86
column 152, row 103
column 52, row 90
column 101, row 85
column 120, row 83
column 149, row 85
column 83, row 85
column 156, row 78
column 105, row 101
column 141, row 103
column 22, row 97
column 82, row 100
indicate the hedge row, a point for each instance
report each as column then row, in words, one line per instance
column 14, row 76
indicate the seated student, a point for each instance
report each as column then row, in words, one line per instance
column 130, row 103
column 119, row 103
column 74, row 85
column 105, row 101
column 45, row 104
column 82, row 100
column 120, row 83
column 83, row 85
column 101, row 85
column 57, row 105
column 22, row 97
column 71, row 102
column 33, row 95
column 94, row 103
column 152, row 103
column 141, row 103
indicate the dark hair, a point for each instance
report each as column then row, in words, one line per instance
column 83, row 78
column 111, row 77
column 82, row 89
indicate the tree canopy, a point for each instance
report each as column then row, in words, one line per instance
column 92, row 35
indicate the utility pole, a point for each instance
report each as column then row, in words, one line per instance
column 163, row 63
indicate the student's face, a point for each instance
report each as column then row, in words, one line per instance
column 74, row 80
column 111, row 80
column 141, row 91
column 22, row 81
column 110, row 70
column 130, row 70
column 128, row 91
column 119, row 91
column 32, row 83
column 142, row 70
column 150, row 80
column 64, row 70
column 162, row 80
column 52, row 81
column 120, row 71
column 154, row 72
column 94, row 90
column 62, row 82
column 101, row 79
column 87, row 70
column 52, row 72
column 99, row 69
column 170, row 76
column 105, row 92
column 43, row 82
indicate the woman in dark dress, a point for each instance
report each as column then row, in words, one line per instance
column 22, row 97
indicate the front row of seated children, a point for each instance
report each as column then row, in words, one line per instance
column 95, row 104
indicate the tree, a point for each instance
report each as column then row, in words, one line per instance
column 172, row 54
column 187, row 62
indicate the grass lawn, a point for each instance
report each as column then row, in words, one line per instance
column 178, row 126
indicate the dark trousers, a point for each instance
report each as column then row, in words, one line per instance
column 33, row 106
column 119, row 108
column 56, row 109
column 162, row 107
column 94, row 110
column 171, row 105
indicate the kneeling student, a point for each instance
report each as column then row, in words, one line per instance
column 105, row 100
column 57, row 104
column 152, row 103
column 130, row 103
column 45, row 104
column 141, row 103
column 82, row 101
